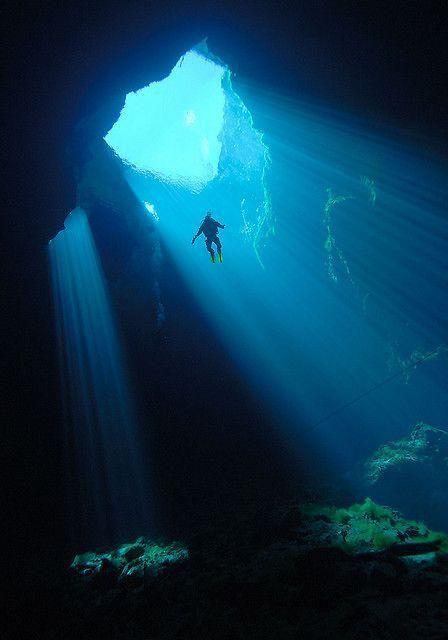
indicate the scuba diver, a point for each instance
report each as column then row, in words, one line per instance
column 210, row 228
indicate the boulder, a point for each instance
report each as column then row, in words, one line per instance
column 132, row 551
column 418, row 460
column 129, row 564
column 424, row 444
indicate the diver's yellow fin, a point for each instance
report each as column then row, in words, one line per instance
column 220, row 257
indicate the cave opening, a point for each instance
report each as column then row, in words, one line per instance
column 188, row 143
column 172, row 128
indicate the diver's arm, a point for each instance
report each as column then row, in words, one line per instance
column 221, row 226
column 197, row 234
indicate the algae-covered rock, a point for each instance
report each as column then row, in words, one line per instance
column 367, row 527
column 330, row 571
column 412, row 474
column 424, row 444
column 99, row 570
column 132, row 551
column 128, row 565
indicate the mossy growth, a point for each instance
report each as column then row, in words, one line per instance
column 424, row 443
column 143, row 552
column 369, row 526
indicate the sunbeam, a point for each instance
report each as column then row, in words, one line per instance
column 105, row 477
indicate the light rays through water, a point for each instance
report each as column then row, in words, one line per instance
column 353, row 273
column 105, row 478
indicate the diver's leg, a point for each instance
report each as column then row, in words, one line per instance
column 217, row 241
column 208, row 244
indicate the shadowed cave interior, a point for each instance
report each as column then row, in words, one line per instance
column 238, row 440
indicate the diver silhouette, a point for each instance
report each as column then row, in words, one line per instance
column 210, row 229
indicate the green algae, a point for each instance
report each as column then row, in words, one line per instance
column 424, row 443
column 334, row 254
column 369, row 526
column 143, row 551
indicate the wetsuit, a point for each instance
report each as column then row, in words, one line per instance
column 210, row 229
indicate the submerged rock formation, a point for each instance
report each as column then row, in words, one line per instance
column 368, row 528
column 425, row 444
column 129, row 565
column 285, row 571
column 419, row 460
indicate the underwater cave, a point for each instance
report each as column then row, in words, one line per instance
column 180, row 146
column 126, row 281
column 251, row 426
